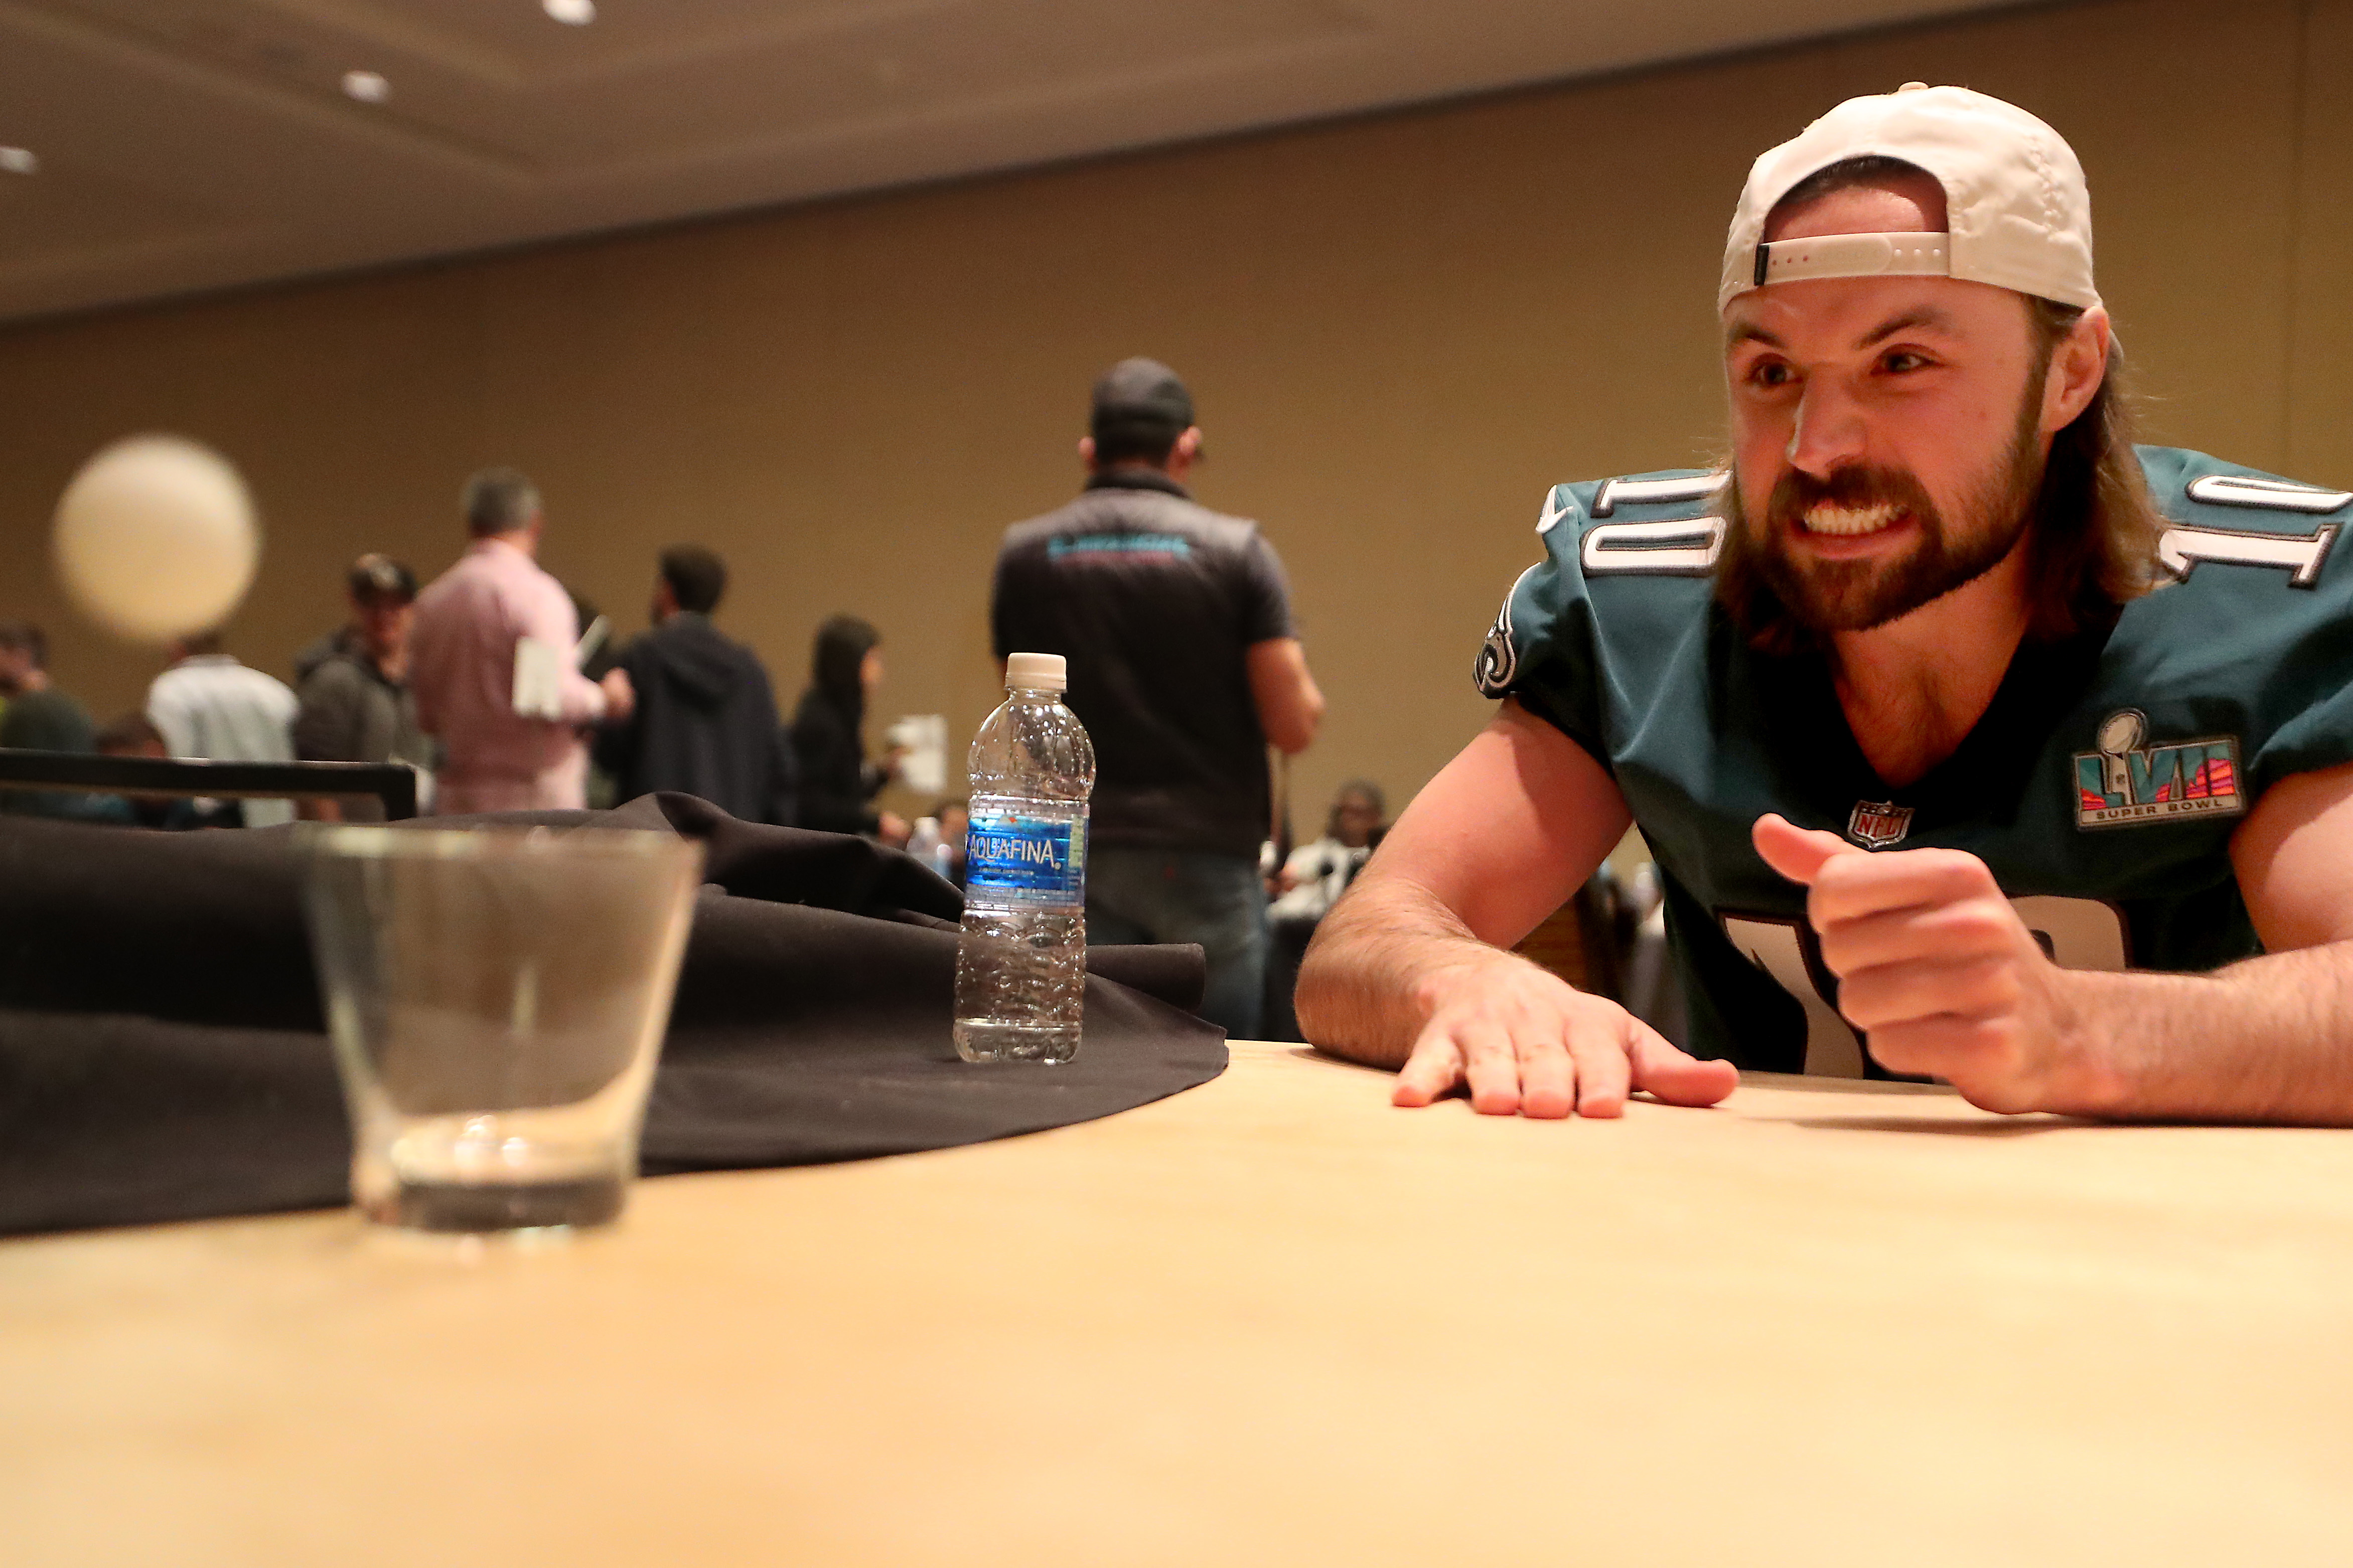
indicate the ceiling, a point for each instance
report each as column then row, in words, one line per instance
column 192, row 144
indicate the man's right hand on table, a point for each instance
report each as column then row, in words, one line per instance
column 1521, row 1040
column 1410, row 969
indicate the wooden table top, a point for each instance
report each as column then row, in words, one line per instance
column 1271, row 1320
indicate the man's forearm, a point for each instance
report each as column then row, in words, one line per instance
column 1361, row 986
column 2270, row 1039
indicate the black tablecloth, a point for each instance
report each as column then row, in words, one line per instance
column 163, row 1054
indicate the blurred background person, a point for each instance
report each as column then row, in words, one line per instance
column 836, row 783
column 133, row 735
column 208, row 707
column 354, row 703
column 705, row 719
column 37, row 717
column 1185, row 666
column 464, row 652
column 1317, row 873
column 1308, row 884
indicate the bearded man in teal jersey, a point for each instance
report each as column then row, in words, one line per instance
column 1971, row 742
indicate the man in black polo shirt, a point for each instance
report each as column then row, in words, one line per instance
column 1183, row 667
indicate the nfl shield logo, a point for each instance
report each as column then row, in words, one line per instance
column 1876, row 824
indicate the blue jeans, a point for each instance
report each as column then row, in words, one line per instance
column 1185, row 895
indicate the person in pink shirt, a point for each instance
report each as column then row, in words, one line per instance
column 470, row 672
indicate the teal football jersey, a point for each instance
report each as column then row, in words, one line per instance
column 2100, row 787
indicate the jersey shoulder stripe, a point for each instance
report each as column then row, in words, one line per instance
column 1656, row 536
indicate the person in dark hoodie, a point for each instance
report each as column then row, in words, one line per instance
column 838, row 783
column 705, row 721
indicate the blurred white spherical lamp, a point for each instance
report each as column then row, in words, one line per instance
column 156, row 538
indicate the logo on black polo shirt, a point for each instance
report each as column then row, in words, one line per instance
column 2127, row 783
column 1103, row 544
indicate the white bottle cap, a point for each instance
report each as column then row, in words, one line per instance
column 1036, row 672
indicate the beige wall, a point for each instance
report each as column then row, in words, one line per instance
column 1398, row 330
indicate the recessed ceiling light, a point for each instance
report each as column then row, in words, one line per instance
column 19, row 161
column 571, row 13
column 366, row 85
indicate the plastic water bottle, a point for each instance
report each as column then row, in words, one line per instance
column 1022, row 967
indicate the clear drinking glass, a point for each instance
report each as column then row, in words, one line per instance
column 497, row 999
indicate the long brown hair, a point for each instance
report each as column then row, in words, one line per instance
column 2094, row 525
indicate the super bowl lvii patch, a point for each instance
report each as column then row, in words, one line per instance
column 2128, row 782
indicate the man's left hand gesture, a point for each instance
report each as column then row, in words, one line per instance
column 1938, row 968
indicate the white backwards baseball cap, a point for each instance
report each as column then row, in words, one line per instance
column 2018, row 214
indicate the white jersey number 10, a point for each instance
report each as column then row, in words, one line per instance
column 2182, row 548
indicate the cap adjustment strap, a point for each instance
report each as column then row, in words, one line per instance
column 1917, row 254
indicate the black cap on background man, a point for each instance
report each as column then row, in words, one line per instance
column 379, row 579
column 1139, row 409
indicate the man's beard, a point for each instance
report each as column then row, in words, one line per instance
column 1856, row 596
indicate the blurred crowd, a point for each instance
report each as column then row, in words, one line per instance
column 429, row 678
column 502, row 689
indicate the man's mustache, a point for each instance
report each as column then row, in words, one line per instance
column 1798, row 494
